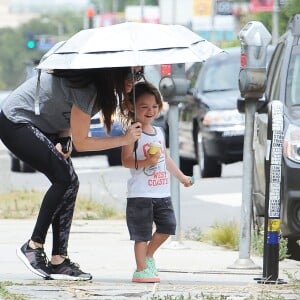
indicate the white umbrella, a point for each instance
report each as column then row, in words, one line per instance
column 129, row 44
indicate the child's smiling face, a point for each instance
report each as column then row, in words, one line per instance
column 146, row 108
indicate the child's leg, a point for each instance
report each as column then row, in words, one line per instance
column 140, row 250
column 157, row 240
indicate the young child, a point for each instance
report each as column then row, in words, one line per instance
column 149, row 196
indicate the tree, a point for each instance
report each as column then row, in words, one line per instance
column 290, row 8
column 14, row 53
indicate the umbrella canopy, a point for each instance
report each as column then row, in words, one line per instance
column 129, row 44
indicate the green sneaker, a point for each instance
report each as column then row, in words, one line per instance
column 150, row 262
column 146, row 276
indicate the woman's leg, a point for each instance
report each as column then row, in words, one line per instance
column 33, row 147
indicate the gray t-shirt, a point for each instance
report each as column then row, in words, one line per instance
column 55, row 99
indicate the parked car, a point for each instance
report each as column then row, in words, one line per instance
column 283, row 83
column 211, row 130
column 97, row 129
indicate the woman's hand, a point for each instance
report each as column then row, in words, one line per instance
column 59, row 149
column 133, row 132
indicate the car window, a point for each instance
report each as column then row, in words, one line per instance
column 216, row 76
column 273, row 81
column 293, row 78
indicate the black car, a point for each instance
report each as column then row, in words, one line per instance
column 211, row 129
column 283, row 84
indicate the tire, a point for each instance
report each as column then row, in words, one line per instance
column 293, row 249
column 26, row 168
column 114, row 157
column 187, row 166
column 15, row 164
column 208, row 166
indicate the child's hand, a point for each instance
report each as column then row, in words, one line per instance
column 188, row 181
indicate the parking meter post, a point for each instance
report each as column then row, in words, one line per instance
column 254, row 39
column 173, row 89
column 273, row 194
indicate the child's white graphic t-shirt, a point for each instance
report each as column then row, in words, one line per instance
column 154, row 181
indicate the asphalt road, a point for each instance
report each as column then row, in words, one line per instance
column 209, row 201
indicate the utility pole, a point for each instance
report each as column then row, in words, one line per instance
column 275, row 30
column 142, row 4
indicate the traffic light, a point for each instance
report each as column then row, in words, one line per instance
column 31, row 44
column 31, row 41
column 90, row 15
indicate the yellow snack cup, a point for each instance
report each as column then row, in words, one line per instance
column 154, row 148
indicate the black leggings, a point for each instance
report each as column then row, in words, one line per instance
column 37, row 149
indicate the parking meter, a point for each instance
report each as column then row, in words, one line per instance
column 174, row 87
column 254, row 38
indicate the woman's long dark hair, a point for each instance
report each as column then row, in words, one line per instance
column 110, row 86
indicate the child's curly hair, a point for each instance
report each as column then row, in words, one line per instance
column 139, row 89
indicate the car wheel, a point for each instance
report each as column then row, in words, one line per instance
column 15, row 164
column 293, row 249
column 187, row 166
column 26, row 168
column 208, row 166
column 114, row 157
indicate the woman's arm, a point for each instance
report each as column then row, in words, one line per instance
column 80, row 125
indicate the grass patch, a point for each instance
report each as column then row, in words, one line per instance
column 257, row 246
column 6, row 295
column 25, row 204
column 224, row 234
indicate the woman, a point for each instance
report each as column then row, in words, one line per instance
column 33, row 120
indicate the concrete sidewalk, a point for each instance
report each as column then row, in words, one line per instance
column 188, row 270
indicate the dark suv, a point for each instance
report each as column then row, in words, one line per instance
column 211, row 130
column 283, row 83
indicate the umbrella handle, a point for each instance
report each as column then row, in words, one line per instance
column 133, row 93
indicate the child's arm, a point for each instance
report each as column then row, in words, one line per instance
column 128, row 160
column 175, row 171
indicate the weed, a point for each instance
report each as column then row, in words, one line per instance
column 227, row 235
column 194, row 234
column 201, row 296
column 224, row 234
column 5, row 294
column 257, row 246
column 24, row 204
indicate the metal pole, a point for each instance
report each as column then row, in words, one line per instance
column 174, row 153
column 142, row 4
column 273, row 194
column 175, row 188
column 275, row 11
column 244, row 261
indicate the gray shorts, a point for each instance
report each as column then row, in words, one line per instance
column 142, row 212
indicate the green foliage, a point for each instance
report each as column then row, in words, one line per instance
column 189, row 296
column 224, row 234
column 257, row 246
column 290, row 8
column 14, row 53
column 23, row 204
column 6, row 295
column 227, row 235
